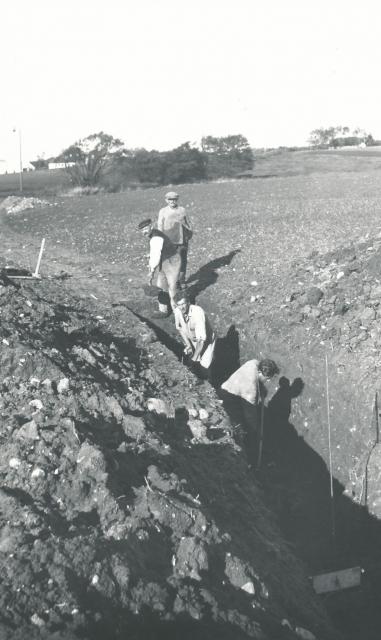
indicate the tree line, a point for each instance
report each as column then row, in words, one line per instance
column 341, row 136
column 102, row 160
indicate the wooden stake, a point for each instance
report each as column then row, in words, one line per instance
column 36, row 272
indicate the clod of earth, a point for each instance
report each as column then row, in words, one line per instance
column 115, row 521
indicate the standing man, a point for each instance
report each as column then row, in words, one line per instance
column 174, row 223
column 196, row 333
column 248, row 383
column 164, row 257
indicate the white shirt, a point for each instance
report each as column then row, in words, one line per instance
column 155, row 249
column 195, row 326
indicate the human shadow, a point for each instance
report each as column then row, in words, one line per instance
column 279, row 411
column 207, row 275
column 328, row 533
column 327, row 530
column 226, row 357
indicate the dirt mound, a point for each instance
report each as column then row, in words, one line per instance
column 127, row 508
column 17, row 204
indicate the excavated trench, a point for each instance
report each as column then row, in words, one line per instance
column 329, row 532
column 145, row 520
column 126, row 506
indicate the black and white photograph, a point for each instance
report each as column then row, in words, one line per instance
column 190, row 320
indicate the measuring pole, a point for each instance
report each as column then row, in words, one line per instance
column 36, row 272
column 377, row 416
column 261, row 434
column 20, row 161
column 330, row 451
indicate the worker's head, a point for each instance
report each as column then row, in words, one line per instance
column 182, row 301
column 268, row 368
column 172, row 199
column 145, row 226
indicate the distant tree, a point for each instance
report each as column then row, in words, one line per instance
column 225, row 145
column 227, row 156
column 337, row 137
column 71, row 154
column 371, row 142
column 149, row 166
column 93, row 157
column 184, row 164
column 321, row 137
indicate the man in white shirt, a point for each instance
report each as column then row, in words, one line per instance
column 196, row 333
column 248, row 383
column 165, row 258
column 174, row 223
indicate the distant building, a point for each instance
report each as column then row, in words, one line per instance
column 10, row 167
column 60, row 165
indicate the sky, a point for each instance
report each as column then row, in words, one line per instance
column 157, row 73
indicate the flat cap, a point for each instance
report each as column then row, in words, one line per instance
column 171, row 195
column 144, row 223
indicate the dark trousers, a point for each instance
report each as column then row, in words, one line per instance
column 183, row 252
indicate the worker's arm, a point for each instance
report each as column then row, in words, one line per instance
column 180, row 328
column 155, row 249
column 198, row 350
column 187, row 224
column 187, row 229
column 200, row 331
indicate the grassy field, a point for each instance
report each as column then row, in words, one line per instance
column 35, row 183
column 308, row 211
column 276, row 163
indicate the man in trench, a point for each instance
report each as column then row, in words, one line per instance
column 164, row 258
column 249, row 384
column 174, row 222
column 196, row 333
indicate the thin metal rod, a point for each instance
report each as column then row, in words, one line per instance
column 377, row 416
column 376, row 442
column 36, row 272
column 330, row 450
column 20, row 154
column 260, row 447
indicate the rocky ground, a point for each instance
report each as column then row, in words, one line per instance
column 129, row 508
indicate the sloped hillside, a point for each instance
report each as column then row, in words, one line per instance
column 127, row 509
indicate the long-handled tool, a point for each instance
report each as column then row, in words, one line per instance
column 261, row 434
column 35, row 275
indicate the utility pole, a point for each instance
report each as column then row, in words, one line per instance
column 20, row 158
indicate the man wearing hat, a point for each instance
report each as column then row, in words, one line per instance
column 163, row 256
column 174, row 223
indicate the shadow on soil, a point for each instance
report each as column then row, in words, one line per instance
column 207, row 275
column 327, row 534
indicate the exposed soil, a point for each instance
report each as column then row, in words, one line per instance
column 126, row 517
